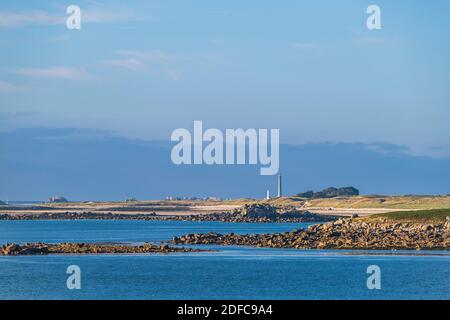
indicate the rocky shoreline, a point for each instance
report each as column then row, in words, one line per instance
column 301, row 216
column 40, row 248
column 78, row 216
column 340, row 234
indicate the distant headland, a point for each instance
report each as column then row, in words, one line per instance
column 342, row 221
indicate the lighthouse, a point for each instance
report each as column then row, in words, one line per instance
column 280, row 194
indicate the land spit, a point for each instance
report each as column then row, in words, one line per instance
column 301, row 216
column 340, row 234
column 40, row 248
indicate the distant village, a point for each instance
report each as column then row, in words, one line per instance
column 170, row 198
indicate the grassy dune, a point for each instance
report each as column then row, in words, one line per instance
column 360, row 202
column 434, row 215
column 356, row 202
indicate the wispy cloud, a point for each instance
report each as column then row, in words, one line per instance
column 9, row 87
column 371, row 40
column 132, row 64
column 16, row 19
column 305, row 45
column 60, row 38
column 153, row 55
column 165, row 64
column 175, row 74
column 387, row 148
column 157, row 62
column 110, row 16
column 22, row 19
column 56, row 73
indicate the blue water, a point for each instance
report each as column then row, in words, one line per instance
column 24, row 203
column 230, row 273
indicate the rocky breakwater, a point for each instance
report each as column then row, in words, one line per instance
column 40, row 248
column 341, row 234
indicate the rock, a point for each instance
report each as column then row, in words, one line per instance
column 33, row 251
column 57, row 199
column 86, row 248
column 261, row 215
column 258, row 211
column 427, row 227
column 355, row 215
column 10, row 249
column 341, row 234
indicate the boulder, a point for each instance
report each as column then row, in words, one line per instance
column 10, row 249
column 347, row 191
column 258, row 211
column 57, row 199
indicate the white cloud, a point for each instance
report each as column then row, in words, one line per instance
column 56, row 73
column 21, row 19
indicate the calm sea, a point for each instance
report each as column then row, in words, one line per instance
column 230, row 273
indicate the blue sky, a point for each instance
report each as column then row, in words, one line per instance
column 140, row 69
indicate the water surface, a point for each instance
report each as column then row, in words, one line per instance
column 230, row 273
